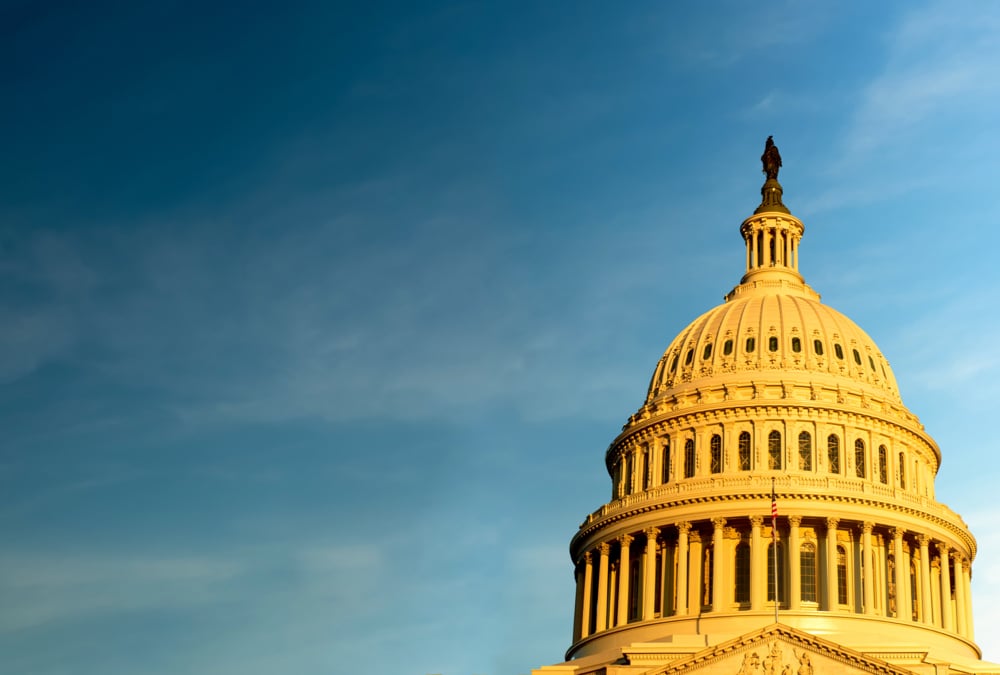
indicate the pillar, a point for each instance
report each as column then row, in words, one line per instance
column 649, row 574
column 682, row 568
column 960, row 613
column 794, row 568
column 868, row 574
column 601, row 618
column 926, row 615
column 897, row 553
column 831, row 564
column 967, row 581
column 720, row 580
column 758, row 564
column 578, row 576
column 624, row 571
column 588, row 577
column 946, row 612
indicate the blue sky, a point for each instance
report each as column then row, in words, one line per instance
column 317, row 319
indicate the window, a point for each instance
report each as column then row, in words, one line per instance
column 665, row 476
column 805, row 451
column 859, row 458
column 716, row 450
column 751, row 344
column 857, row 357
column 839, row 351
column 646, row 477
column 689, row 357
column 627, row 478
column 772, row 343
column 742, row 568
column 796, row 345
column 914, row 601
column 673, row 364
column 883, row 461
column 774, row 450
column 841, row 575
column 744, row 451
column 807, row 571
column 833, row 453
column 871, row 363
column 770, row 571
column 688, row 458
column 706, row 353
column 818, row 347
column 727, row 347
column 902, row 471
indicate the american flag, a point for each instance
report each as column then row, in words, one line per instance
column 774, row 509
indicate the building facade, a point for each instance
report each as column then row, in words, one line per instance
column 772, row 502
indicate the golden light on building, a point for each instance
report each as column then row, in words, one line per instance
column 773, row 399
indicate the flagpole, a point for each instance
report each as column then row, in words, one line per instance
column 774, row 548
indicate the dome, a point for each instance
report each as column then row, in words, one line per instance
column 787, row 336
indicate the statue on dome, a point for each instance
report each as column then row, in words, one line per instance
column 771, row 159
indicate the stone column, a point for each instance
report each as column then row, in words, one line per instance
column 758, row 564
column 578, row 577
column 601, row 618
column 947, row 621
column 720, row 581
column 794, row 567
column 682, row 568
column 649, row 574
column 588, row 578
column 868, row 574
column 831, row 565
column 967, row 582
column 924, row 609
column 897, row 553
column 960, row 612
column 624, row 571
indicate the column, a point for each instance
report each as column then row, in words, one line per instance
column 960, row 612
column 720, row 580
column 649, row 574
column 588, row 576
column 578, row 576
column 831, row 565
column 758, row 564
column 794, row 568
column 967, row 582
column 601, row 619
column 868, row 574
column 624, row 571
column 682, row 568
column 897, row 553
column 926, row 615
column 768, row 260
column 946, row 613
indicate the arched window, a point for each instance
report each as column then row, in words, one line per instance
column 770, row 571
column 902, row 471
column 727, row 347
column 807, row 571
column 805, row 451
column 857, row 357
column 883, row 462
column 745, row 451
column 742, row 568
column 666, row 461
column 627, row 478
column 707, row 352
column 839, row 351
column 772, row 343
column 817, row 347
column 689, row 458
column 841, row 575
column 689, row 357
column 833, row 453
column 859, row 458
column 774, row 450
column 646, row 466
column 716, row 450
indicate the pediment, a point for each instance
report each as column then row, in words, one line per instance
column 779, row 650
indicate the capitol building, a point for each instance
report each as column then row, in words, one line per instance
column 772, row 507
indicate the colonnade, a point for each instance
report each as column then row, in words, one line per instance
column 727, row 566
column 770, row 246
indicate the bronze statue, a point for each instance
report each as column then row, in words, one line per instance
column 771, row 159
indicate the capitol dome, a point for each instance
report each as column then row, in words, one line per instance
column 773, row 490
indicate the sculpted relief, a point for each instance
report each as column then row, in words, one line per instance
column 776, row 663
